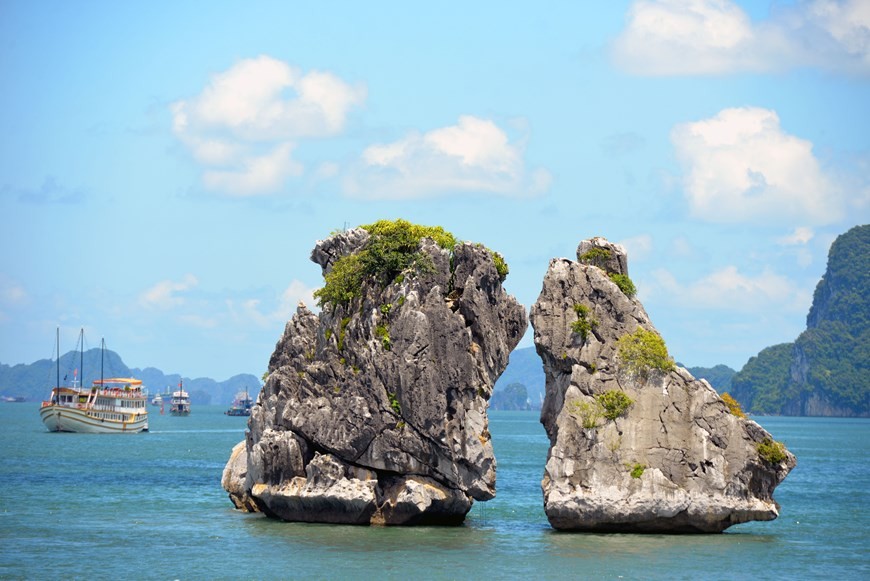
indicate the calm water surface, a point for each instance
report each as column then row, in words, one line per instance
column 150, row 506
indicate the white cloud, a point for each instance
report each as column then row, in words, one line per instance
column 163, row 295
column 255, row 175
column 799, row 237
column 638, row 247
column 245, row 123
column 475, row 155
column 250, row 102
column 730, row 290
column 12, row 293
column 251, row 309
column 741, row 166
column 698, row 37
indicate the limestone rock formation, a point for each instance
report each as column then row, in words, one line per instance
column 675, row 459
column 374, row 410
column 824, row 372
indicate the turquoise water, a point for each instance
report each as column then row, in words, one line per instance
column 150, row 506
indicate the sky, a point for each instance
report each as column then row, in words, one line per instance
column 167, row 167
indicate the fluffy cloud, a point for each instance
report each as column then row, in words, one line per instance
column 12, row 293
column 698, row 37
column 741, row 166
column 251, row 309
column 255, row 174
column 475, row 155
column 163, row 295
column 799, row 237
column 638, row 247
column 730, row 290
column 243, row 126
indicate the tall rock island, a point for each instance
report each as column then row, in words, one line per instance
column 636, row 443
column 826, row 371
column 374, row 410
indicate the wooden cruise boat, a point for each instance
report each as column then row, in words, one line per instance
column 111, row 406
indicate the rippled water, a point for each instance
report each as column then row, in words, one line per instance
column 150, row 506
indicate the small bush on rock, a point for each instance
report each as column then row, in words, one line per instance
column 642, row 353
column 614, row 403
column 392, row 247
column 771, row 451
column 624, row 283
column 588, row 412
column 733, row 405
column 584, row 323
column 596, row 256
column 500, row 265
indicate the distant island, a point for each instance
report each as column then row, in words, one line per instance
column 34, row 381
column 826, row 371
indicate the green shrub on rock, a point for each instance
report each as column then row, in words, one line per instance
column 392, row 248
column 733, row 405
column 596, row 256
column 771, row 451
column 584, row 323
column 500, row 265
column 643, row 353
column 614, row 403
column 624, row 283
column 588, row 412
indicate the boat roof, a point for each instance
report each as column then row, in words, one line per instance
column 121, row 380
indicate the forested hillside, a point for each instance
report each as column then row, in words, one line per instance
column 826, row 371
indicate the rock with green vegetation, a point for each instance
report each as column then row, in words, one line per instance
column 374, row 411
column 637, row 444
column 514, row 396
column 826, row 371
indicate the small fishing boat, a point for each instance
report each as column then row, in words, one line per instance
column 111, row 406
column 241, row 404
column 180, row 402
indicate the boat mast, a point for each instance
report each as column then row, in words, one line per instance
column 82, row 356
column 102, row 352
column 58, row 357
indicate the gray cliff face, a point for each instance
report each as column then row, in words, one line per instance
column 375, row 412
column 676, row 461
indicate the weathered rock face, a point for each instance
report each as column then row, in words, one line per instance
column 375, row 411
column 675, row 461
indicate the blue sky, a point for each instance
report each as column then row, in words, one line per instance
column 167, row 167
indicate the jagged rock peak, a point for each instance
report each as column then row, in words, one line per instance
column 636, row 443
column 374, row 410
column 607, row 255
column 326, row 252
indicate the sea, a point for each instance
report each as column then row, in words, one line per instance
column 150, row 506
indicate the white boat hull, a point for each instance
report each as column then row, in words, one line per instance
column 66, row 419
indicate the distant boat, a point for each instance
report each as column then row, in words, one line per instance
column 111, row 406
column 157, row 400
column 180, row 403
column 14, row 398
column 241, row 404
